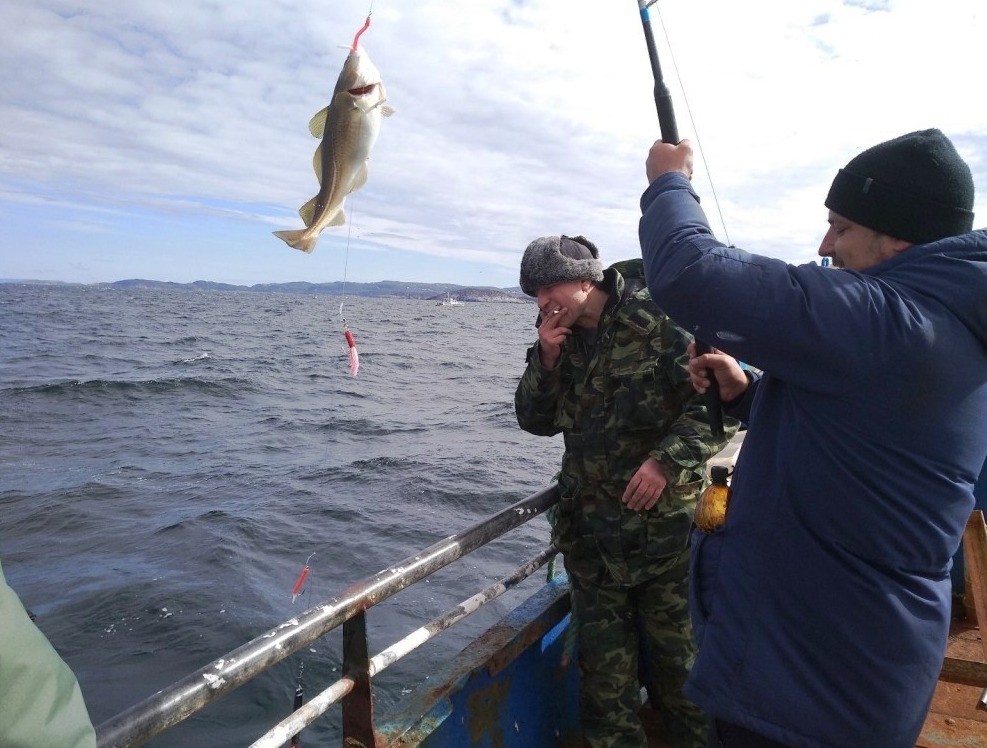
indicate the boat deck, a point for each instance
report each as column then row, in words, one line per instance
column 958, row 715
column 955, row 719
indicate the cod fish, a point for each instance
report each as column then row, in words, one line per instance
column 348, row 128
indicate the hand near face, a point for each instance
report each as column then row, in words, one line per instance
column 552, row 331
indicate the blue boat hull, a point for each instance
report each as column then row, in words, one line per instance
column 505, row 689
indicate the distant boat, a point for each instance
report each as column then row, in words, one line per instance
column 449, row 301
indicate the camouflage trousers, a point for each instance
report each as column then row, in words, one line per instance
column 615, row 627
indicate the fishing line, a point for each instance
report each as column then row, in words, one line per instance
column 299, row 700
column 298, row 589
column 695, row 129
column 346, row 267
column 354, row 356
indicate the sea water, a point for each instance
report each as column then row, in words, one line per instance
column 169, row 460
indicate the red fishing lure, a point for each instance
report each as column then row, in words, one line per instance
column 354, row 356
column 356, row 39
column 297, row 589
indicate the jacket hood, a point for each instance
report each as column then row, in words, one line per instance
column 953, row 271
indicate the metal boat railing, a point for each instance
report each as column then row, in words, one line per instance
column 171, row 705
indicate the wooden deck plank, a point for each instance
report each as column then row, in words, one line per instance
column 954, row 721
column 942, row 731
column 956, row 717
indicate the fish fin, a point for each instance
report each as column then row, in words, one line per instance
column 317, row 163
column 307, row 211
column 297, row 238
column 339, row 219
column 317, row 125
column 359, row 179
column 387, row 110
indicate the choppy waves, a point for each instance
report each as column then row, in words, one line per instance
column 229, row 387
column 169, row 460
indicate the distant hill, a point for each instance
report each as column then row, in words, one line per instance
column 394, row 289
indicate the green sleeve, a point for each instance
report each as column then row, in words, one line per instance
column 40, row 700
column 536, row 398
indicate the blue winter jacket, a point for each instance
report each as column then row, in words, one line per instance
column 822, row 608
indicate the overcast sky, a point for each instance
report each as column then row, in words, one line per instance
column 167, row 140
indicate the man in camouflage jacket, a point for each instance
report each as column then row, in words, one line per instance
column 609, row 371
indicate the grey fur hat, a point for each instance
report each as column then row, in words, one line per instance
column 555, row 259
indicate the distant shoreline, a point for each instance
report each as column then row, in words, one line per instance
column 389, row 289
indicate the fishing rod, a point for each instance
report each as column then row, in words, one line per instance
column 670, row 134
column 663, row 98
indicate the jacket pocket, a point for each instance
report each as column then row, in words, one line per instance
column 639, row 400
column 704, row 564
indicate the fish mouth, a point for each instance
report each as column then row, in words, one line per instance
column 363, row 90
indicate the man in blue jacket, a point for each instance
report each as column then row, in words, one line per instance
column 821, row 607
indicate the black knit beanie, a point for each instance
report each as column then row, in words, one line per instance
column 555, row 259
column 914, row 187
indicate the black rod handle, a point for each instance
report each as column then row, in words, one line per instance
column 714, row 403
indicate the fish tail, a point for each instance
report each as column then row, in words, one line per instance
column 297, row 238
